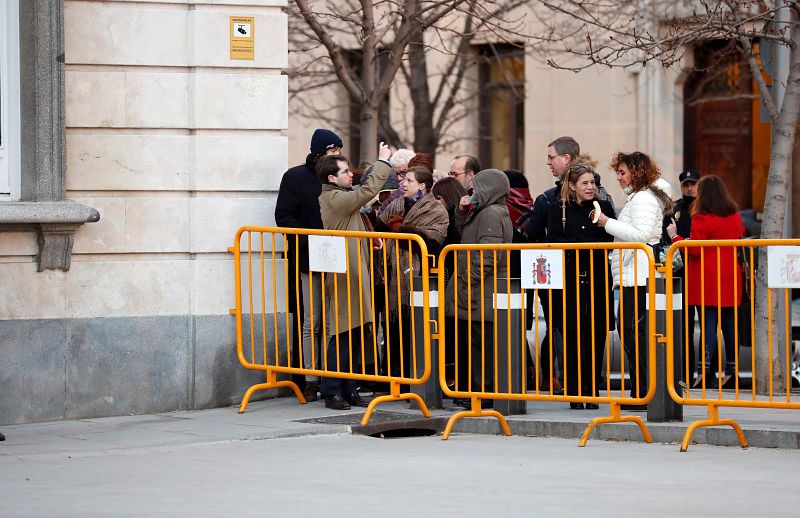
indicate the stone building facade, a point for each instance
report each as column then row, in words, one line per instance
column 142, row 147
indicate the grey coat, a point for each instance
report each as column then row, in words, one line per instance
column 487, row 222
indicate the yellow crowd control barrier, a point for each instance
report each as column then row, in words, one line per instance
column 359, row 286
column 483, row 330
column 730, row 366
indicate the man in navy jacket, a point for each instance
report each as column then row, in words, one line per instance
column 298, row 207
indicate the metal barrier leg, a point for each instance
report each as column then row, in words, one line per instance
column 615, row 417
column 272, row 382
column 394, row 396
column 713, row 420
column 475, row 412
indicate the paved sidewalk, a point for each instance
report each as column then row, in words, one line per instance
column 284, row 417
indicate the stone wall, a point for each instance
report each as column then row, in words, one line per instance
column 177, row 146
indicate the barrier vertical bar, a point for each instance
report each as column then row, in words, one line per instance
column 430, row 392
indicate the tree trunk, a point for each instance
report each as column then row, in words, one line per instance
column 369, row 133
column 784, row 128
column 424, row 139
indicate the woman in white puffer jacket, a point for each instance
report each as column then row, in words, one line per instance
column 639, row 221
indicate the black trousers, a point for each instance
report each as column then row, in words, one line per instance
column 579, row 343
column 349, row 346
column 481, row 368
column 633, row 328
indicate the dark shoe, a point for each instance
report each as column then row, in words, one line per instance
column 310, row 392
column 336, row 403
column 592, row 406
column 576, row 406
column 2, row 437
column 356, row 400
column 634, row 408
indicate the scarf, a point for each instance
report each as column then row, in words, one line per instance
column 429, row 219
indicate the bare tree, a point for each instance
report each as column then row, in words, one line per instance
column 436, row 110
column 635, row 33
column 362, row 46
column 375, row 28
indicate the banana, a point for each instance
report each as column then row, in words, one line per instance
column 596, row 212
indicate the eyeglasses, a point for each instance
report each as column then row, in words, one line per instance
column 550, row 158
column 401, row 173
column 456, row 174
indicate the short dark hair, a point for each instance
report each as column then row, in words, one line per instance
column 329, row 165
column 450, row 189
column 422, row 175
column 566, row 146
column 470, row 164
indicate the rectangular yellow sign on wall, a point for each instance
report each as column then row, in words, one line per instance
column 242, row 37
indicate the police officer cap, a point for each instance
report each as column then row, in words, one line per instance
column 689, row 176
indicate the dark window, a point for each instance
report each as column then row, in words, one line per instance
column 501, row 130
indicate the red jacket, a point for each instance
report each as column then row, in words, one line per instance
column 703, row 261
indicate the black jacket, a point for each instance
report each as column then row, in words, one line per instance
column 583, row 265
column 298, row 206
column 539, row 220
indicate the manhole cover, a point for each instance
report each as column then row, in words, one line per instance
column 389, row 424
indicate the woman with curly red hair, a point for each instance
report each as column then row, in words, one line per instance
column 639, row 221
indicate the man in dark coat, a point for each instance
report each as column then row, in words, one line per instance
column 682, row 215
column 560, row 154
column 298, row 207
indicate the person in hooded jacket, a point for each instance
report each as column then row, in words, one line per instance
column 639, row 221
column 481, row 219
column 297, row 206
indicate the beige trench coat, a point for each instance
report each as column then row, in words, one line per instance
column 339, row 209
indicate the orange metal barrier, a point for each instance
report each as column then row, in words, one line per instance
column 764, row 366
column 476, row 328
column 268, row 285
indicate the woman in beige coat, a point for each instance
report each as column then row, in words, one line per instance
column 339, row 206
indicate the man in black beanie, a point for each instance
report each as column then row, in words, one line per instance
column 298, row 207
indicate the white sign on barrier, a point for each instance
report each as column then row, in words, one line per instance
column 783, row 266
column 542, row 269
column 327, row 254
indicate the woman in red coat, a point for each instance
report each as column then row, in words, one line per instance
column 715, row 216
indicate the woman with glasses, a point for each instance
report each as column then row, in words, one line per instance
column 639, row 221
column 586, row 300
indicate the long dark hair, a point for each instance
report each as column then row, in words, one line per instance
column 450, row 189
column 713, row 198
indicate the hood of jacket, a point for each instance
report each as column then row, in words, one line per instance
column 490, row 187
column 311, row 162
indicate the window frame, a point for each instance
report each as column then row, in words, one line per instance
column 10, row 126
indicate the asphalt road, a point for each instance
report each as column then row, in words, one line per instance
column 345, row 475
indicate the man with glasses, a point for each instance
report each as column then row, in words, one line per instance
column 560, row 153
column 339, row 207
column 463, row 168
